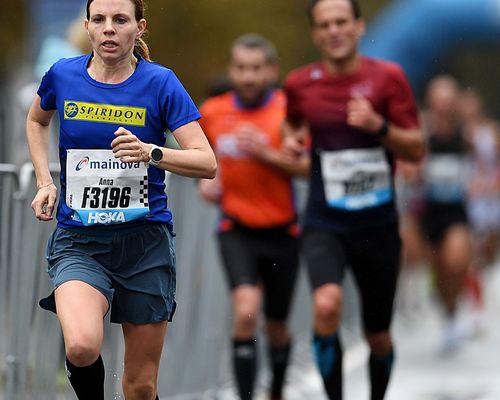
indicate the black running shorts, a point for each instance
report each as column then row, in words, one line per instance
column 262, row 256
column 373, row 257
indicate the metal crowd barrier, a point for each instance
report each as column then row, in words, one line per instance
column 9, row 183
column 31, row 344
column 196, row 357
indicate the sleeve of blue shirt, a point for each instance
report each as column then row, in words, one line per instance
column 178, row 105
column 46, row 91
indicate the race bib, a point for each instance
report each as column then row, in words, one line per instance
column 356, row 179
column 102, row 190
column 446, row 177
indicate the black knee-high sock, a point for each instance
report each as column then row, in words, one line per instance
column 328, row 355
column 245, row 366
column 380, row 372
column 279, row 362
column 87, row 382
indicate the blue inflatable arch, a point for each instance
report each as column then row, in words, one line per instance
column 419, row 33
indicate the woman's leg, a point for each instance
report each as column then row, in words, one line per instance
column 81, row 309
column 143, row 347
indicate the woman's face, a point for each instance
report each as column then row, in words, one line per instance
column 113, row 30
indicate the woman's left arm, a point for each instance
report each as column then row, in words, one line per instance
column 194, row 159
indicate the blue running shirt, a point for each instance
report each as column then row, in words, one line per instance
column 102, row 190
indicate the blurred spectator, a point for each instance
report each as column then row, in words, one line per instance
column 445, row 221
column 483, row 134
column 410, row 203
column 412, row 292
column 54, row 47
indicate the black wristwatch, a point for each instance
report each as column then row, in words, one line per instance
column 155, row 155
column 384, row 129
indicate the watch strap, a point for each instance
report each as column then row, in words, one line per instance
column 384, row 129
column 152, row 161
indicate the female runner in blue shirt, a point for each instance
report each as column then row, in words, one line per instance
column 113, row 248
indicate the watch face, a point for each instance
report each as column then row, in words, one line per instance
column 156, row 154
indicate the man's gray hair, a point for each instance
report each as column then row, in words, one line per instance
column 256, row 41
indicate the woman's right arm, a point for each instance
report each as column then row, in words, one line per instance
column 37, row 133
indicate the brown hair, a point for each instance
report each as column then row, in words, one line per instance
column 356, row 9
column 141, row 46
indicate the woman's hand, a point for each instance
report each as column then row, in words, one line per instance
column 128, row 148
column 44, row 202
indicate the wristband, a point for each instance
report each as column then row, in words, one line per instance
column 47, row 185
column 384, row 129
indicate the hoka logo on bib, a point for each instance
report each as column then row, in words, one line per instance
column 108, row 217
column 93, row 112
column 105, row 217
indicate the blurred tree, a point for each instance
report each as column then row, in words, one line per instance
column 11, row 32
column 11, row 43
column 193, row 36
column 476, row 67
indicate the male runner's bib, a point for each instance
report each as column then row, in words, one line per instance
column 356, row 179
column 102, row 190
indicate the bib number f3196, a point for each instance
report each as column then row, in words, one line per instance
column 101, row 189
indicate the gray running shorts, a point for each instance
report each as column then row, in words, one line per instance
column 133, row 267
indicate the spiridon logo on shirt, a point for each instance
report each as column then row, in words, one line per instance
column 70, row 109
column 93, row 112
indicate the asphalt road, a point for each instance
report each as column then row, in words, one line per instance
column 422, row 372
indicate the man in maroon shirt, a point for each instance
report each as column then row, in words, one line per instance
column 360, row 114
